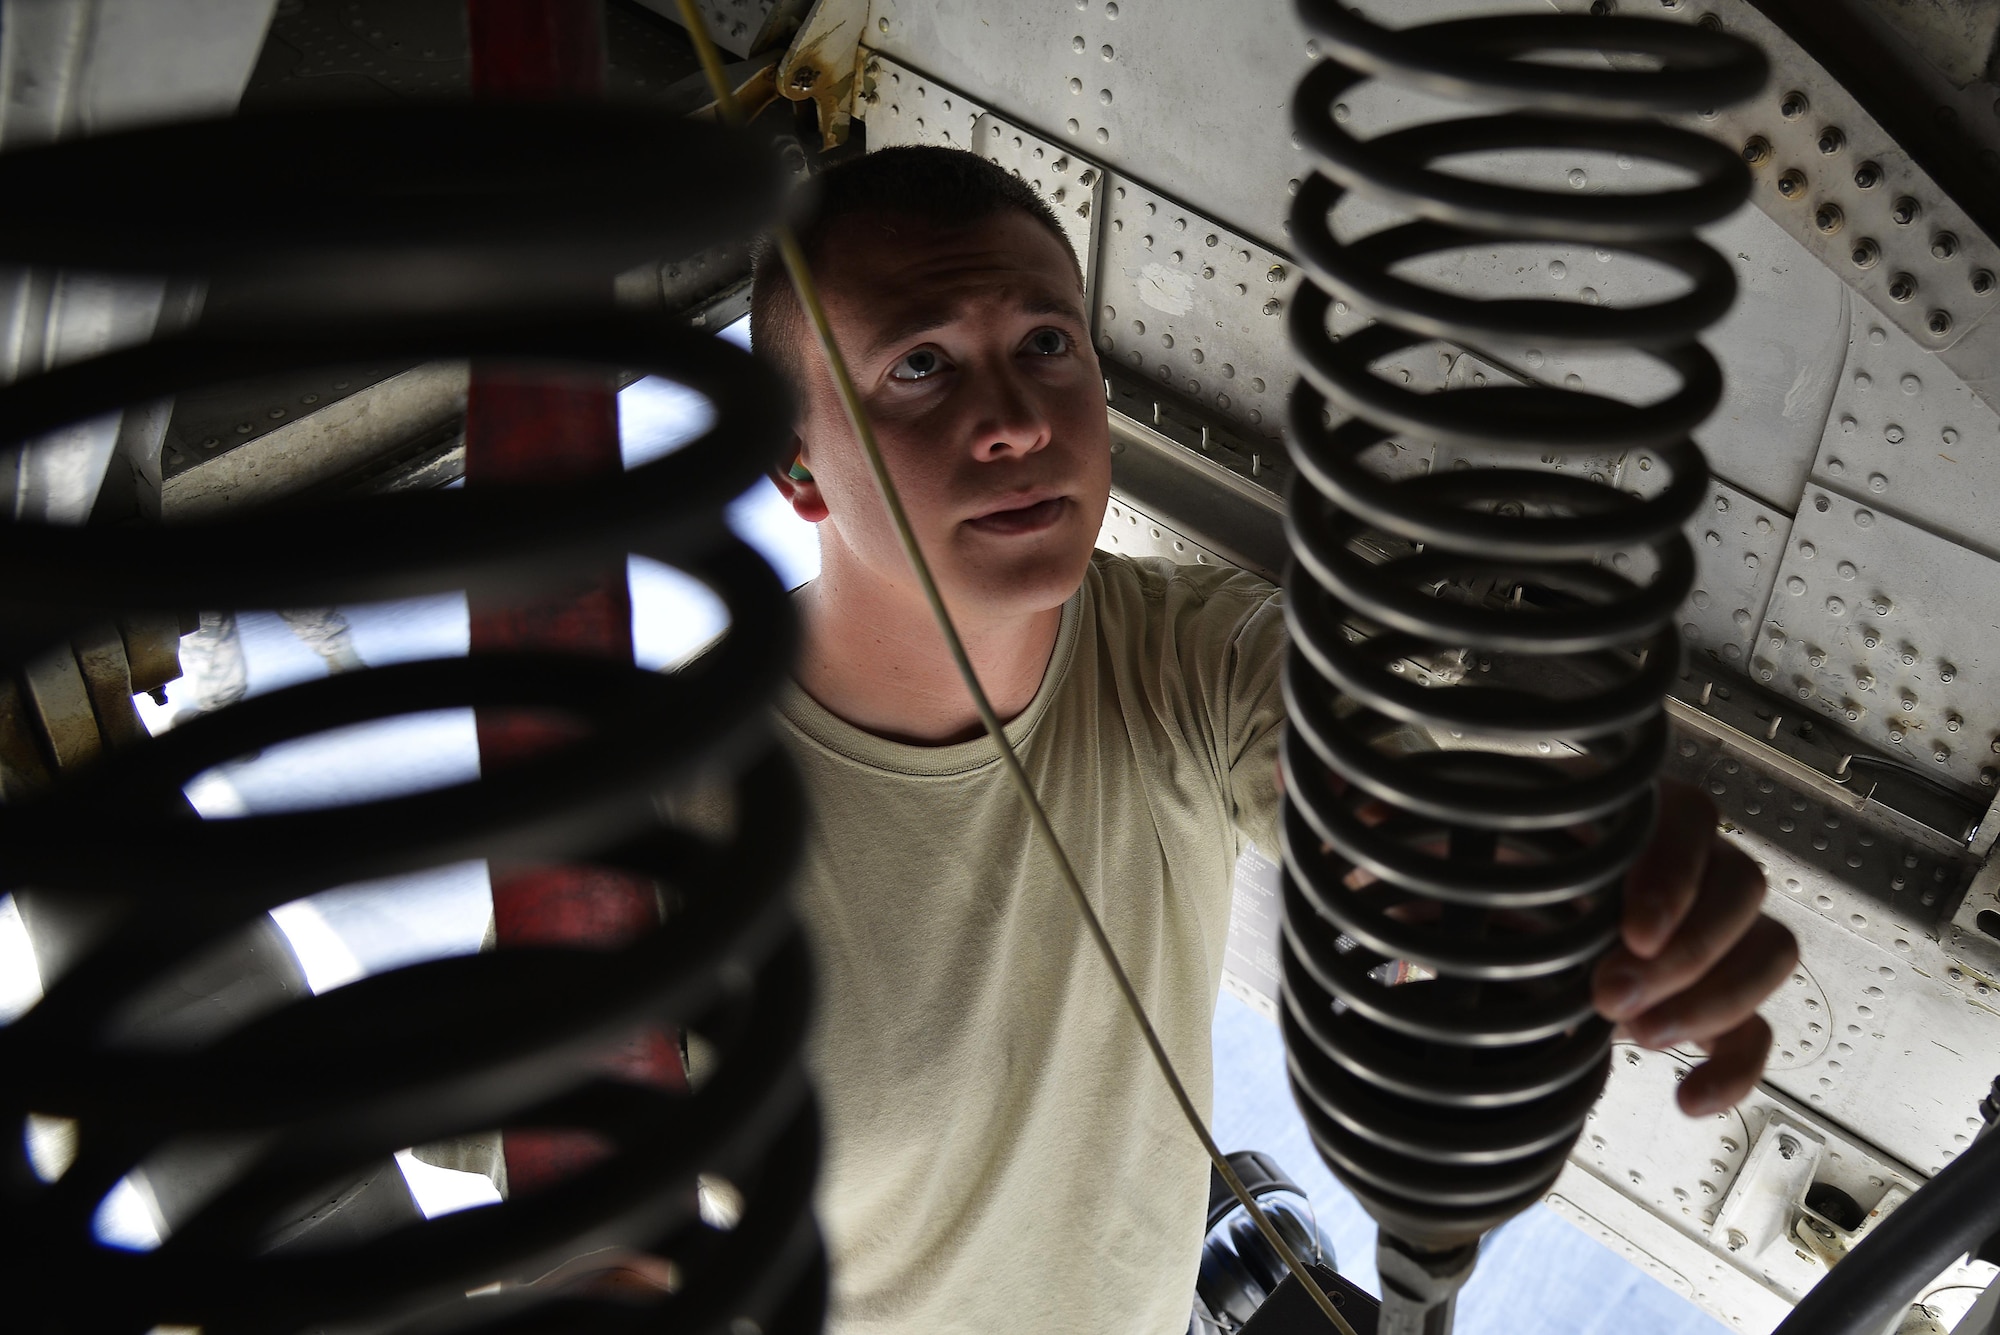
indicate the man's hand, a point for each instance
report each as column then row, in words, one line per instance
column 1696, row 958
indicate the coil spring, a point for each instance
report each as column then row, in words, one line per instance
column 1449, row 1103
column 454, row 204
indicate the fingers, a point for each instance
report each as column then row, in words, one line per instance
column 1736, row 1059
column 1661, row 886
column 1726, row 995
column 1723, row 905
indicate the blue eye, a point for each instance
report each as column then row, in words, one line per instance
column 919, row 365
column 1049, row 342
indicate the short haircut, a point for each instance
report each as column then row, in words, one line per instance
column 944, row 188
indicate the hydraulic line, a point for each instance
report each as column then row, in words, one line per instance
column 1444, row 903
column 432, row 220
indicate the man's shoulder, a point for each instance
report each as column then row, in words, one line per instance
column 1151, row 586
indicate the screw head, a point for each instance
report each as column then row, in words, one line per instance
column 1788, row 1147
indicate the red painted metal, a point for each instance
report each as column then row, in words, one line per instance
column 519, row 431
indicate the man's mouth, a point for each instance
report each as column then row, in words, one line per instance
column 1026, row 519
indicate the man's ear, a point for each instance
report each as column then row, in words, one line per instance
column 802, row 493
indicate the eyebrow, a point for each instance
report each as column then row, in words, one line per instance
column 927, row 321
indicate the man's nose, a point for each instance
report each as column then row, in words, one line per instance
column 1011, row 419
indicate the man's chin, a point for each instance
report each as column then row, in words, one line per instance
column 1021, row 586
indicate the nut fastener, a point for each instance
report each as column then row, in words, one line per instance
column 1828, row 218
column 1831, row 140
column 1868, row 175
column 1902, row 287
column 1792, row 184
column 1757, row 150
column 1944, row 245
column 1866, row 254
column 1905, row 210
column 1794, row 105
column 1983, row 281
column 1938, row 322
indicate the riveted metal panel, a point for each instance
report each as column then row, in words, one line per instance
column 1833, row 178
column 905, row 107
column 1196, row 306
column 1908, row 433
column 1738, row 543
column 1153, row 88
column 1890, row 630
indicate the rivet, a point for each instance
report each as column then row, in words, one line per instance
column 1877, row 482
column 1893, row 434
column 1828, row 218
column 1902, row 287
column 1944, row 245
column 1905, row 211
column 1794, row 105
column 1868, row 175
column 1792, row 184
column 1866, row 254
column 1952, row 722
column 1938, row 322
column 1982, row 281
column 1756, row 150
column 1947, row 672
column 1831, row 140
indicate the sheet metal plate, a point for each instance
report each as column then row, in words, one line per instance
column 1907, row 432
column 1893, row 632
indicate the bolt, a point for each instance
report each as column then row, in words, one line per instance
column 1831, row 140
column 1794, row 106
column 1788, row 1147
column 1757, row 150
column 1941, row 754
column 1866, row 254
column 1983, row 281
column 1272, row 307
column 1938, row 322
column 1905, row 210
column 1944, row 245
column 1952, row 723
column 1792, row 184
column 1902, row 287
column 1737, row 1240
column 1829, row 218
column 1868, row 175
column 1275, row 274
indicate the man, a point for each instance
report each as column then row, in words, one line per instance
column 1001, row 1154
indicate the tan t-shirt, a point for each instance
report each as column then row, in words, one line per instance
column 1001, row 1154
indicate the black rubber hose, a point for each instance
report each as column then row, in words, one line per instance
column 1951, row 1215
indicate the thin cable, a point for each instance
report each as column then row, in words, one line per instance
column 808, row 293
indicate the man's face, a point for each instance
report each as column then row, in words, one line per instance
column 973, row 359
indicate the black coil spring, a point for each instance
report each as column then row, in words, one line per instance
column 1448, row 1102
column 455, row 204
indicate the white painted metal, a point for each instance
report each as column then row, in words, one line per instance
column 74, row 67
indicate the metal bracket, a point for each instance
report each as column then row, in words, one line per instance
column 821, row 64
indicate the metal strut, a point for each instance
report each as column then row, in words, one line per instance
column 1444, row 906
column 432, row 217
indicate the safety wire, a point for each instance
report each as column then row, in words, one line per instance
column 808, row 293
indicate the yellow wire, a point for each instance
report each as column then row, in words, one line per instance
column 808, row 293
